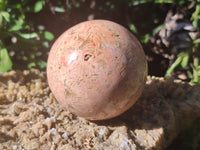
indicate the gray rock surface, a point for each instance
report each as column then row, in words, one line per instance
column 31, row 118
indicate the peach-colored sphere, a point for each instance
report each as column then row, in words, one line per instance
column 97, row 69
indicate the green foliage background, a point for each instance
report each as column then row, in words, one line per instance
column 19, row 35
column 25, row 43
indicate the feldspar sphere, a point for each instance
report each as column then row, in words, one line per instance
column 97, row 69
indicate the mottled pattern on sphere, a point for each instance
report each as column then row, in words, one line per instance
column 97, row 69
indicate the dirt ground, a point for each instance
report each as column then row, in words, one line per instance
column 31, row 118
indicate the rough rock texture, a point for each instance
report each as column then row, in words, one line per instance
column 31, row 118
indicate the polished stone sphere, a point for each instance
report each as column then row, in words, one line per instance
column 97, row 69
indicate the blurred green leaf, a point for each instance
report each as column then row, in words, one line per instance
column 133, row 28
column 182, row 60
column 157, row 29
column 5, row 61
column 198, row 70
column 38, row 54
column 185, row 59
column 25, row 58
column 145, row 39
column 32, row 56
column 195, row 23
column 31, row 65
column 38, row 6
column 195, row 78
column 18, row 25
column 189, row 74
column 139, row 2
column 1, row 19
column 58, row 9
column 197, row 41
column 173, row 66
column 28, row 35
column 195, row 16
column 45, row 44
column 42, row 64
column 48, row 35
column 164, row 1
column 78, row 4
column 6, row 15
column 193, row 67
